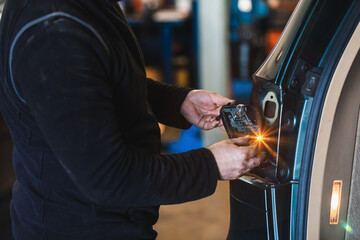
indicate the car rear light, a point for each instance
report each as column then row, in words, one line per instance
column 335, row 202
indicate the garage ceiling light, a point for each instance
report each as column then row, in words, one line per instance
column 245, row 5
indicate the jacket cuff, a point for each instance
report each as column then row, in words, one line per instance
column 212, row 168
column 183, row 122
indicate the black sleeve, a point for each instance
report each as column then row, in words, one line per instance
column 60, row 70
column 166, row 101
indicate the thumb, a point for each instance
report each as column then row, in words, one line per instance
column 240, row 141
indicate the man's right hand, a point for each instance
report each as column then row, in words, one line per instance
column 234, row 158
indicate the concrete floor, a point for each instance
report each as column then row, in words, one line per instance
column 203, row 219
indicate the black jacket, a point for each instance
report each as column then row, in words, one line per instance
column 84, row 121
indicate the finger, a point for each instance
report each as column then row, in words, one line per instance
column 256, row 161
column 262, row 155
column 240, row 141
column 220, row 100
column 208, row 122
column 250, row 151
column 210, row 125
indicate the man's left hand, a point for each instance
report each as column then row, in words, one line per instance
column 201, row 108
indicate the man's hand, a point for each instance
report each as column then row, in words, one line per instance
column 201, row 108
column 234, row 159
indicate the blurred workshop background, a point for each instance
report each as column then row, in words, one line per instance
column 211, row 44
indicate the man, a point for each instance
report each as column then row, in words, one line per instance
column 84, row 121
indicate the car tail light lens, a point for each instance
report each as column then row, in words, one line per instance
column 335, row 202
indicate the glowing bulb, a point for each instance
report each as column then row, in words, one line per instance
column 259, row 138
column 245, row 5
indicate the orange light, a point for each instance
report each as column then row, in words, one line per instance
column 335, row 202
column 259, row 138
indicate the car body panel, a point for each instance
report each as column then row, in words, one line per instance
column 299, row 76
